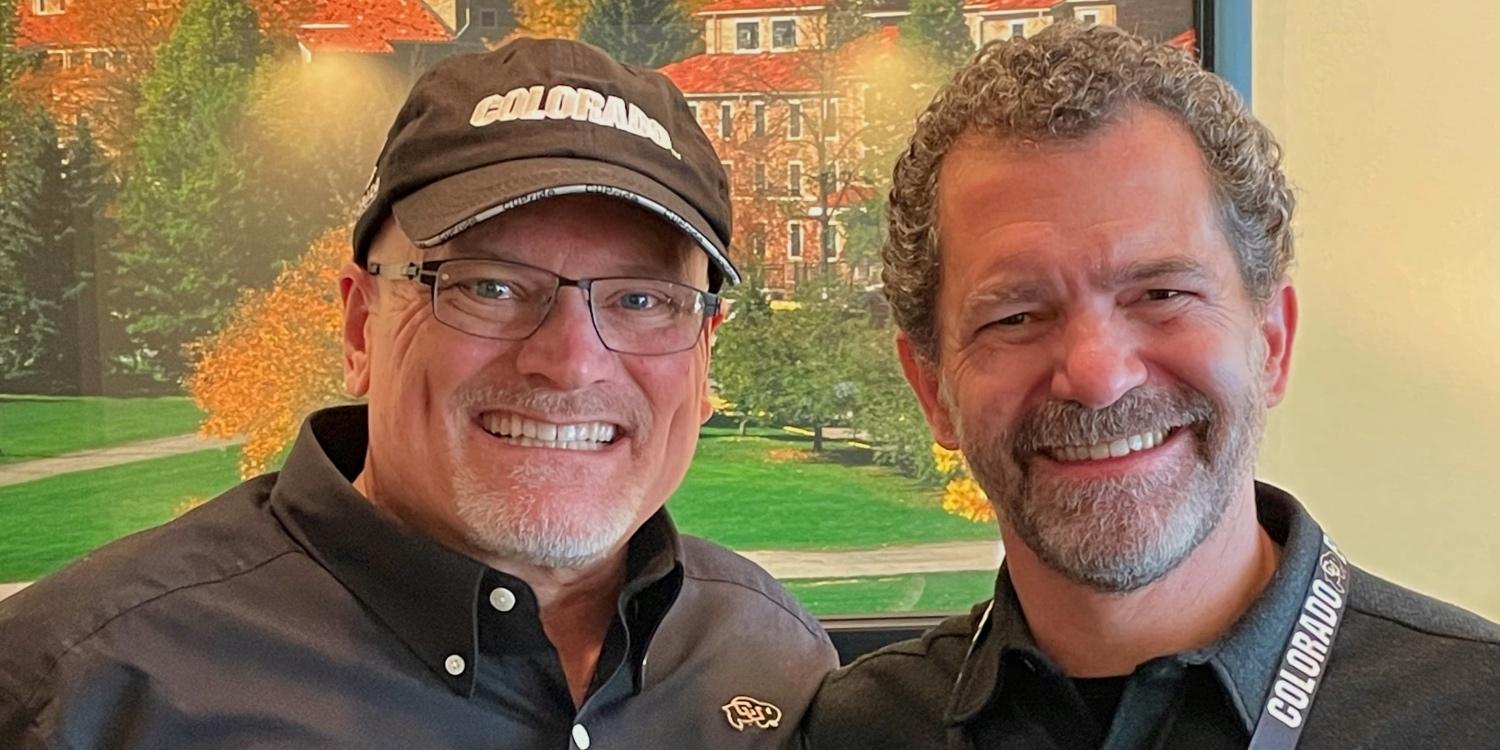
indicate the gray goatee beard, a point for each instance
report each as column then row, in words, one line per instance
column 523, row 518
column 1122, row 534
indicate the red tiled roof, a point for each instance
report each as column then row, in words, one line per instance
column 368, row 26
column 1187, row 40
column 321, row 26
column 732, row 73
column 851, row 195
column 781, row 72
column 1004, row 5
column 730, row 6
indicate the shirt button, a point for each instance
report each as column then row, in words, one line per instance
column 580, row 737
column 502, row 599
column 454, row 664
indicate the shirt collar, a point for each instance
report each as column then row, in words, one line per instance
column 1245, row 658
column 424, row 592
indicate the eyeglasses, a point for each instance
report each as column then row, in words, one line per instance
column 496, row 299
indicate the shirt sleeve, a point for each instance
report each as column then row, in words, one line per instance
column 18, row 730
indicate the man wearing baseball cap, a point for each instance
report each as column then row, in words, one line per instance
column 479, row 556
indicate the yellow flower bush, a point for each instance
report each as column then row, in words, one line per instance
column 962, row 496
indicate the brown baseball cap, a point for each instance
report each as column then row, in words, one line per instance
column 483, row 133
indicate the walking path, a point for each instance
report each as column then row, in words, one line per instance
column 938, row 557
column 98, row 458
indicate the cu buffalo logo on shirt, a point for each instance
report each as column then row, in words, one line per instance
column 745, row 711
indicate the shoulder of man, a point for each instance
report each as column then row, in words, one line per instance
column 896, row 696
column 737, row 644
column 1404, row 661
column 64, row 613
column 738, row 582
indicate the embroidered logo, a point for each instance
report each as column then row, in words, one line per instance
column 745, row 711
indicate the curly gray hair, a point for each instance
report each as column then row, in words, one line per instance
column 1065, row 83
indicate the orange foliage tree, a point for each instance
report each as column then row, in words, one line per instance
column 550, row 18
column 277, row 359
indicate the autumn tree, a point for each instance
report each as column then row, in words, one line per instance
column 277, row 359
column 643, row 32
column 550, row 18
column 188, row 249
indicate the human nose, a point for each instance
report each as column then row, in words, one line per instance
column 1099, row 363
column 565, row 351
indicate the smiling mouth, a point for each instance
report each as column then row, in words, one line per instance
column 534, row 433
column 1115, row 448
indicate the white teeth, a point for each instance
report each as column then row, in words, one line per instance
column 530, row 433
column 1112, row 449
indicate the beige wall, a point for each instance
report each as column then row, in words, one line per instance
column 1391, row 433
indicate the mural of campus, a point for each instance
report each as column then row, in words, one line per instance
column 176, row 184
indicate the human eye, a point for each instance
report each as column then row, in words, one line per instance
column 490, row 289
column 647, row 297
column 1163, row 295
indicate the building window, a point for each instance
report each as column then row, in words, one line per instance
column 784, row 34
column 747, row 36
column 794, row 178
column 830, row 178
column 794, row 119
column 1017, row 29
column 758, row 244
column 794, row 240
column 760, row 177
column 99, row 60
column 693, row 107
column 728, row 173
column 831, row 119
column 48, row 7
column 760, row 118
column 489, row 18
column 1090, row 17
column 726, row 120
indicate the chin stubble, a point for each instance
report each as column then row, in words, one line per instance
column 1122, row 534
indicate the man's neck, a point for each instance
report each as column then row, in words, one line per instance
column 577, row 605
column 1095, row 634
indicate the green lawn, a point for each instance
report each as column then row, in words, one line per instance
column 918, row 593
column 741, row 494
column 41, row 426
column 46, row 523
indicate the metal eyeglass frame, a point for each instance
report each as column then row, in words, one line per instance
column 426, row 273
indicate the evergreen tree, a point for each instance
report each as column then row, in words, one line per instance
column 645, row 32
column 34, row 273
column 188, row 248
column 91, row 190
column 937, row 28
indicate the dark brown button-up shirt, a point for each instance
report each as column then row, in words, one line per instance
column 291, row 613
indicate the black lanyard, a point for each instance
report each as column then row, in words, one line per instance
column 1305, row 659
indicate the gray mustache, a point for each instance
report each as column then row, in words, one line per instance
column 1057, row 423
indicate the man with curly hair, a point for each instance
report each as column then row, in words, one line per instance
column 1088, row 254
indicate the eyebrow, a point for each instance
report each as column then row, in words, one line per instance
column 1148, row 270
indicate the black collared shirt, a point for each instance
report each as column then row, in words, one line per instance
column 290, row 613
column 1406, row 671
